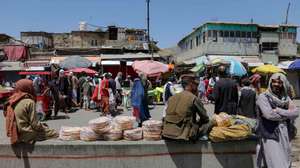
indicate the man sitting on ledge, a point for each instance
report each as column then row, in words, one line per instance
column 22, row 124
column 181, row 121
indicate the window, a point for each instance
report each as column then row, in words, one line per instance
column 231, row 33
column 243, row 34
column 92, row 42
column 290, row 35
column 226, row 33
column 221, row 33
column 96, row 43
column 238, row 34
column 191, row 44
column 215, row 33
column 200, row 38
column 254, row 35
column 204, row 34
column 209, row 33
column 269, row 46
column 197, row 41
column 248, row 34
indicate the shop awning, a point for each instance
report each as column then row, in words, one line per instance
column 12, row 66
column 190, row 61
column 58, row 59
column 128, row 56
column 34, row 73
column 110, row 62
column 40, row 63
column 252, row 61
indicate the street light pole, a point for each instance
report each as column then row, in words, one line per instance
column 148, row 29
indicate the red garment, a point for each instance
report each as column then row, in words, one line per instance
column 104, row 88
column 206, row 82
column 136, row 113
column 95, row 95
column 24, row 89
column 105, row 104
column 16, row 53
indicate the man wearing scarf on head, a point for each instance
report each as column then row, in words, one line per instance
column 276, row 113
column 22, row 124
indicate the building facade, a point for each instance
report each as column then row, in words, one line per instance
column 270, row 43
column 113, row 35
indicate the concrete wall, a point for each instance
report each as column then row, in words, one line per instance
column 88, row 39
column 124, row 154
column 228, row 48
column 287, row 48
column 61, row 40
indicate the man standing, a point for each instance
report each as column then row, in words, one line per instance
column 225, row 94
column 119, row 82
column 186, row 118
column 74, row 81
column 247, row 102
column 169, row 91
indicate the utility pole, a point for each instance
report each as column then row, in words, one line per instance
column 287, row 13
column 148, row 29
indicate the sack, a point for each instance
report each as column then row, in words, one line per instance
column 223, row 119
column 234, row 132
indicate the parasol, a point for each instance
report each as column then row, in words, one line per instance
column 267, row 69
column 295, row 65
column 150, row 68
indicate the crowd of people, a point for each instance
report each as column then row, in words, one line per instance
column 184, row 115
column 187, row 119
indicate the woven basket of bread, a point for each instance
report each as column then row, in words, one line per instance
column 152, row 130
column 69, row 133
column 114, row 134
column 124, row 122
column 87, row 134
column 134, row 134
column 100, row 125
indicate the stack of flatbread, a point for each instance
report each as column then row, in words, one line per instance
column 69, row 133
column 124, row 122
column 152, row 130
column 114, row 134
column 87, row 134
column 100, row 125
column 134, row 134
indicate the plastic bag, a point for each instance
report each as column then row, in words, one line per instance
column 223, row 119
column 234, row 132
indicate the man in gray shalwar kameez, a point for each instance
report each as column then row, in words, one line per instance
column 276, row 113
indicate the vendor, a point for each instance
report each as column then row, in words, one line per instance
column 181, row 115
column 22, row 124
column 276, row 115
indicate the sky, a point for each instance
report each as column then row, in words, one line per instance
column 170, row 20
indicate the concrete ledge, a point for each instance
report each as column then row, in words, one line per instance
column 119, row 154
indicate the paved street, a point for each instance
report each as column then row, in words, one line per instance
column 81, row 118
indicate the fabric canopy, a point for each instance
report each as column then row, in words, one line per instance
column 16, row 53
column 79, row 70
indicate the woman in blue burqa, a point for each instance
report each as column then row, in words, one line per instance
column 275, row 117
column 139, row 99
